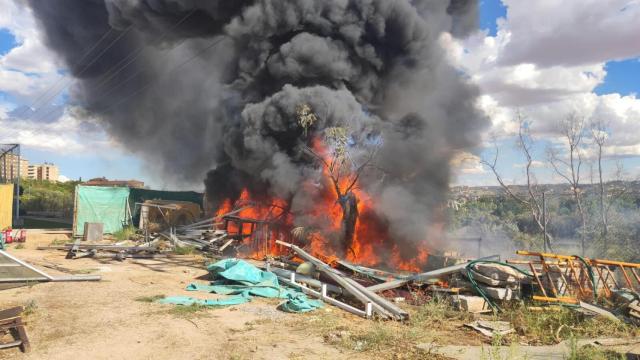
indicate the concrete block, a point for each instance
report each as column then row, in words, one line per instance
column 500, row 293
column 93, row 231
column 472, row 304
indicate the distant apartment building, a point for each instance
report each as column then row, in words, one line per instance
column 46, row 171
column 116, row 183
column 12, row 166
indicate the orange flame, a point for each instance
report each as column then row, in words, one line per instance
column 372, row 244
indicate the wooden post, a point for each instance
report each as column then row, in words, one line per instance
column 75, row 211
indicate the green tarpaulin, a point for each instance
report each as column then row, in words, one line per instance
column 142, row 195
column 243, row 280
column 107, row 205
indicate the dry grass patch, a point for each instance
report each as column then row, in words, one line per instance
column 387, row 339
column 551, row 327
column 190, row 311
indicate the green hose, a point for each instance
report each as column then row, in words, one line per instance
column 478, row 289
column 591, row 276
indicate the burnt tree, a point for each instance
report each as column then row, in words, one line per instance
column 342, row 167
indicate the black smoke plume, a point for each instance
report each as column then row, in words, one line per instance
column 211, row 87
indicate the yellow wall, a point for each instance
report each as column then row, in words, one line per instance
column 6, row 205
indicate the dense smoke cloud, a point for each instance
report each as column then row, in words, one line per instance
column 214, row 84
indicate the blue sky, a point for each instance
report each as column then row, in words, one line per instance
column 7, row 41
column 490, row 11
column 622, row 77
column 564, row 74
column 77, row 165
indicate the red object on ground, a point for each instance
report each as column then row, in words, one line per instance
column 8, row 239
column 22, row 237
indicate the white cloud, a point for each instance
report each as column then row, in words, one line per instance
column 574, row 32
column 69, row 134
column 534, row 164
column 62, row 178
column 30, row 67
column 546, row 60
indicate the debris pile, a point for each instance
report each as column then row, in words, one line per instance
column 12, row 326
column 598, row 287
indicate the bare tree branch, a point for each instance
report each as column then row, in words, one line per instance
column 532, row 202
column 572, row 128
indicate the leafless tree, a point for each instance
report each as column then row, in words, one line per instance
column 572, row 128
column 599, row 135
column 533, row 197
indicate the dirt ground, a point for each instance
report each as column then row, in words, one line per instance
column 103, row 320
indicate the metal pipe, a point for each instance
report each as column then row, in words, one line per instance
column 53, row 279
column 4, row 253
column 355, row 289
column 306, row 280
column 326, row 299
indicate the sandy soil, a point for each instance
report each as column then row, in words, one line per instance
column 103, row 320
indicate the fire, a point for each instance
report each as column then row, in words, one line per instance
column 257, row 222
column 372, row 244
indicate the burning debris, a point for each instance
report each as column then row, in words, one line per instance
column 344, row 113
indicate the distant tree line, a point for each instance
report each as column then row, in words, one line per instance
column 601, row 216
column 47, row 196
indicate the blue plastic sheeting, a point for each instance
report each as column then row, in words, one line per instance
column 243, row 280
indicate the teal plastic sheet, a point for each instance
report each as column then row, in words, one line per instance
column 107, row 205
column 242, row 281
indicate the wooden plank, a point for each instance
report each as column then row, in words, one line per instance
column 226, row 245
column 74, row 226
column 11, row 313
column 598, row 310
column 22, row 334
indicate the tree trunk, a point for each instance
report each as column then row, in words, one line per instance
column 603, row 212
column 349, row 205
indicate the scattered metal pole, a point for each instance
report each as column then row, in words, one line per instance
column 327, row 299
column 4, row 253
column 44, row 276
column 380, row 305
